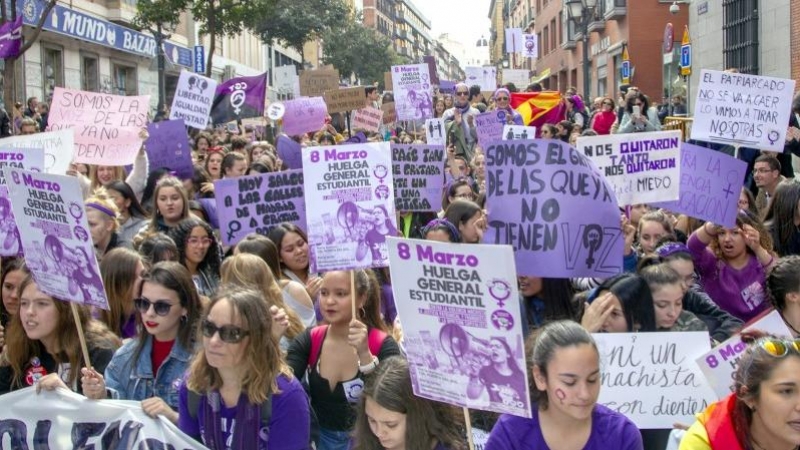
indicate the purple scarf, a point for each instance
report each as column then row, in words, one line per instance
column 247, row 425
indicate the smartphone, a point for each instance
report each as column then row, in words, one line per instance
column 637, row 110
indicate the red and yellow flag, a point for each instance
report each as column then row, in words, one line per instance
column 539, row 108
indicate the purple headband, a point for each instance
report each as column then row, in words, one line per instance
column 435, row 223
column 670, row 248
column 502, row 90
column 102, row 209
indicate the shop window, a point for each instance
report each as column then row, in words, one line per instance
column 90, row 73
column 124, row 79
column 53, row 58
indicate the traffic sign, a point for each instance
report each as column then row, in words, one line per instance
column 626, row 66
column 199, row 59
column 669, row 38
column 686, row 53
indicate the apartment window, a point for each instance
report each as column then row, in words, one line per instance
column 90, row 72
column 539, row 49
column 53, row 58
column 124, row 79
column 546, row 43
column 560, row 32
column 740, row 42
column 553, row 34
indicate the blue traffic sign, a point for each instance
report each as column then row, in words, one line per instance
column 199, row 59
column 686, row 59
column 626, row 69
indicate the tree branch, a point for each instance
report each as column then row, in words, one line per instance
column 38, row 30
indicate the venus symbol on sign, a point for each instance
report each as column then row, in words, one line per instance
column 592, row 239
column 727, row 191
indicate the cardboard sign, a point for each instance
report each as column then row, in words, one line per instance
column 741, row 109
column 168, row 146
column 107, row 127
column 538, row 195
column 368, row 119
column 58, row 148
column 412, row 91
column 642, row 167
column 304, row 115
column 459, row 306
column 435, row 132
column 55, row 236
column 345, row 99
column 314, row 83
column 27, row 159
column 418, row 171
column 193, row 98
column 518, row 132
column 389, row 113
column 259, row 203
column 710, row 185
column 349, row 204
column 652, row 378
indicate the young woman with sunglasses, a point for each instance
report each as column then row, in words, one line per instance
column 150, row 367
column 238, row 368
column 603, row 120
column 763, row 412
column 199, row 251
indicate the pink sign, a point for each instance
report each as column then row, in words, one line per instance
column 304, row 115
column 107, row 127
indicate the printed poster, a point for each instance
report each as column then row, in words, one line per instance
column 349, row 205
column 435, row 132
column 462, row 323
column 518, row 132
column 58, row 248
column 193, row 98
column 412, row 92
column 27, row 159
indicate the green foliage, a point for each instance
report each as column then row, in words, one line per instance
column 154, row 14
column 295, row 22
column 354, row 49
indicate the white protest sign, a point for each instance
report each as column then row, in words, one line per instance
column 642, row 167
column 349, row 205
column 435, row 133
column 275, row 111
column 193, row 98
column 285, row 78
column 520, row 77
column 530, row 46
column 27, row 159
column 719, row 364
column 518, row 132
column 64, row 419
column 58, row 148
column 485, row 77
column 652, row 377
column 368, row 119
column 742, row 109
column 459, row 308
column 51, row 217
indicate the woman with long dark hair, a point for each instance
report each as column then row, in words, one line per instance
column 131, row 215
column 783, row 219
column 198, row 251
column 292, row 244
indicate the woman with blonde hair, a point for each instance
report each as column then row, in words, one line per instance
column 102, row 214
column 171, row 206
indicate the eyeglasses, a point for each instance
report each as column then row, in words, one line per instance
column 778, row 347
column 763, row 170
column 227, row 333
column 462, row 93
column 468, row 196
column 199, row 241
column 161, row 307
column 502, row 99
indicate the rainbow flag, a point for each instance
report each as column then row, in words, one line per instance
column 538, row 108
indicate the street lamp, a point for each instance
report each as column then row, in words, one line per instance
column 582, row 12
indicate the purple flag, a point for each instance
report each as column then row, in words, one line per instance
column 11, row 38
column 239, row 98
column 432, row 71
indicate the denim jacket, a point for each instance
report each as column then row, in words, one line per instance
column 128, row 381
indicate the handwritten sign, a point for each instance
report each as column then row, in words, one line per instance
column 457, row 304
column 720, row 363
column 418, row 176
column 304, row 115
column 290, row 152
column 107, row 127
column 642, row 167
column 435, row 132
column 55, row 236
column 368, row 119
column 520, row 77
column 349, row 204
column 58, row 148
column 518, row 132
column 194, row 96
column 26, row 159
column 168, row 146
column 259, row 203
column 743, row 109
column 314, row 83
column 389, row 113
column 412, row 91
column 485, row 77
column 538, row 195
column 344, row 99
column 652, row 378
column 710, row 185
column 489, row 126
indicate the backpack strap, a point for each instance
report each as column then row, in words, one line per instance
column 193, row 402
column 375, row 340
column 266, row 415
column 317, row 336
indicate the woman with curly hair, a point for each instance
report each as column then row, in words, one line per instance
column 733, row 264
column 198, row 250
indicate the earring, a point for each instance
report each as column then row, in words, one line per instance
column 362, row 312
column 184, row 319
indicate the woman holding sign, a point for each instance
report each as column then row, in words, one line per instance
column 565, row 384
column 292, row 244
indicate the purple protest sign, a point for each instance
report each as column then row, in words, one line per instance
column 55, row 236
column 350, row 205
column 549, row 202
column 431, row 62
column 710, row 185
column 418, row 176
column 259, row 203
column 290, row 152
column 11, row 38
column 358, row 138
column 412, row 92
column 447, row 87
column 29, row 159
column 168, row 146
column 489, row 126
column 304, row 115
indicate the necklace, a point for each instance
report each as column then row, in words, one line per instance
column 794, row 330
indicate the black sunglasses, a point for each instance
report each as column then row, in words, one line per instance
column 462, row 93
column 228, row 333
column 161, row 307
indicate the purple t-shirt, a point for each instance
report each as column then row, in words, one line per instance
column 289, row 424
column 609, row 430
column 742, row 293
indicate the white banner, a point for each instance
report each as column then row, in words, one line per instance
column 530, row 46
column 461, row 323
column 59, row 147
column 513, row 40
column 485, row 77
column 285, row 79
column 193, row 98
column 63, row 419
column 652, row 377
column 741, row 109
column 642, row 167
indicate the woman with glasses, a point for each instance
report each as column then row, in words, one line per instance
column 199, row 252
column 239, row 393
column 549, row 131
column 502, row 102
column 605, row 117
column 763, row 412
column 459, row 189
column 639, row 116
column 150, row 367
